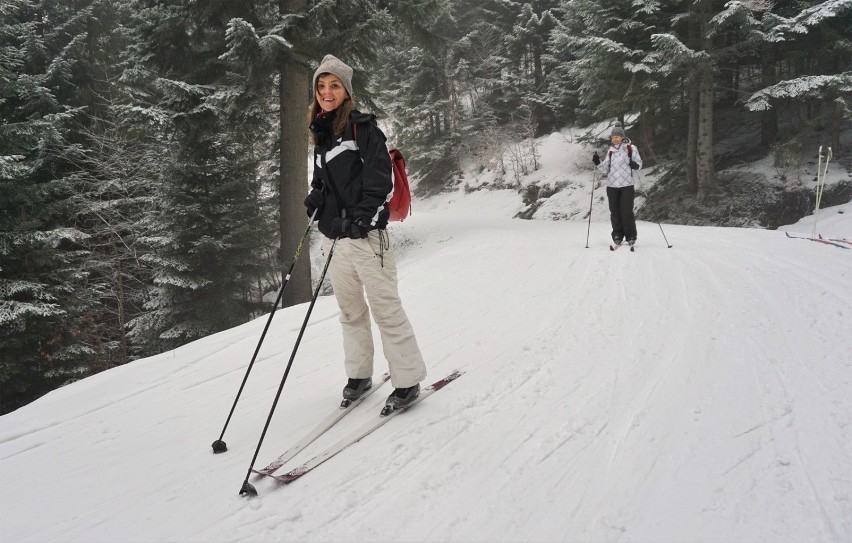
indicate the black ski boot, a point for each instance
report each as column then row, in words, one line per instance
column 616, row 243
column 400, row 398
column 354, row 389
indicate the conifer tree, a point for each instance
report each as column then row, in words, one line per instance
column 44, row 329
column 792, row 35
column 444, row 91
column 214, row 222
column 526, row 46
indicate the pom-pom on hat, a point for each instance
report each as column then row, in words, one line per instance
column 332, row 65
column 617, row 130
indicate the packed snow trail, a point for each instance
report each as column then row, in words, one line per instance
column 695, row 393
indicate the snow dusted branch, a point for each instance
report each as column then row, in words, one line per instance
column 812, row 86
column 671, row 54
column 782, row 27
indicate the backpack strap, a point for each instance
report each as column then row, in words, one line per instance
column 355, row 124
column 629, row 152
column 355, row 135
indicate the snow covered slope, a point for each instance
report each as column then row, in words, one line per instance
column 698, row 393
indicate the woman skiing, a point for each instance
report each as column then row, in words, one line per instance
column 618, row 164
column 351, row 185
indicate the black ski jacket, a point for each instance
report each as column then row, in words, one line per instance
column 353, row 177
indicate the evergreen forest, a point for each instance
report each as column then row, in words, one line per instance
column 154, row 153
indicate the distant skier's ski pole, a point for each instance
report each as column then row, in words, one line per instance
column 664, row 235
column 247, row 488
column 219, row 446
column 822, row 170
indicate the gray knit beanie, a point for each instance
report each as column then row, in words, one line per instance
column 333, row 65
column 617, row 130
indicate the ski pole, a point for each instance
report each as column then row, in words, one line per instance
column 664, row 235
column 822, row 170
column 219, row 446
column 247, row 487
column 591, row 201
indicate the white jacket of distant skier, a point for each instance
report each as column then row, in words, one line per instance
column 616, row 165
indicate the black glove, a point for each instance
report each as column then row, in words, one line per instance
column 360, row 228
column 347, row 228
column 633, row 165
column 340, row 227
column 313, row 202
column 596, row 159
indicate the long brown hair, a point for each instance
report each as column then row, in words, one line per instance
column 343, row 113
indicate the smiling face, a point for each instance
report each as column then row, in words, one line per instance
column 330, row 92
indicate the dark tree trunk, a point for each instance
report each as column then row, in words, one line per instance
column 293, row 159
column 705, row 171
column 692, row 138
column 768, row 77
column 835, row 127
column 649, row 120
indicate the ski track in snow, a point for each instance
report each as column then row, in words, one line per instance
column 694, row 393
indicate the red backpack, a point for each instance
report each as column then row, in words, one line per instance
column 399, row 203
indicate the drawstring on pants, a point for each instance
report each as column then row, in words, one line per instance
column 384, row 244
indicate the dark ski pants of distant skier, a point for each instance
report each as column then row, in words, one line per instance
column 621, row 212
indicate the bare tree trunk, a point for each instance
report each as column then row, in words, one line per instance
column 453, row 96
column 692, row 138
column 705, row 172
column 293, row 161
column 454, row 106
column 835, row 127
column 538, row 71
column 120, row 300
column 768, row 77
column 649, row 120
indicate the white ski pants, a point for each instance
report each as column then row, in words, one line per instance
column 357, row 267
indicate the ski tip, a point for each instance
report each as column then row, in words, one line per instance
column 290, row 476
column 446, row 380
column 219, row 446
column 386, row 410
column 455, row 374
column 345, row 403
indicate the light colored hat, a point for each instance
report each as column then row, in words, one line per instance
column 617, row 130
column 332, row 65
